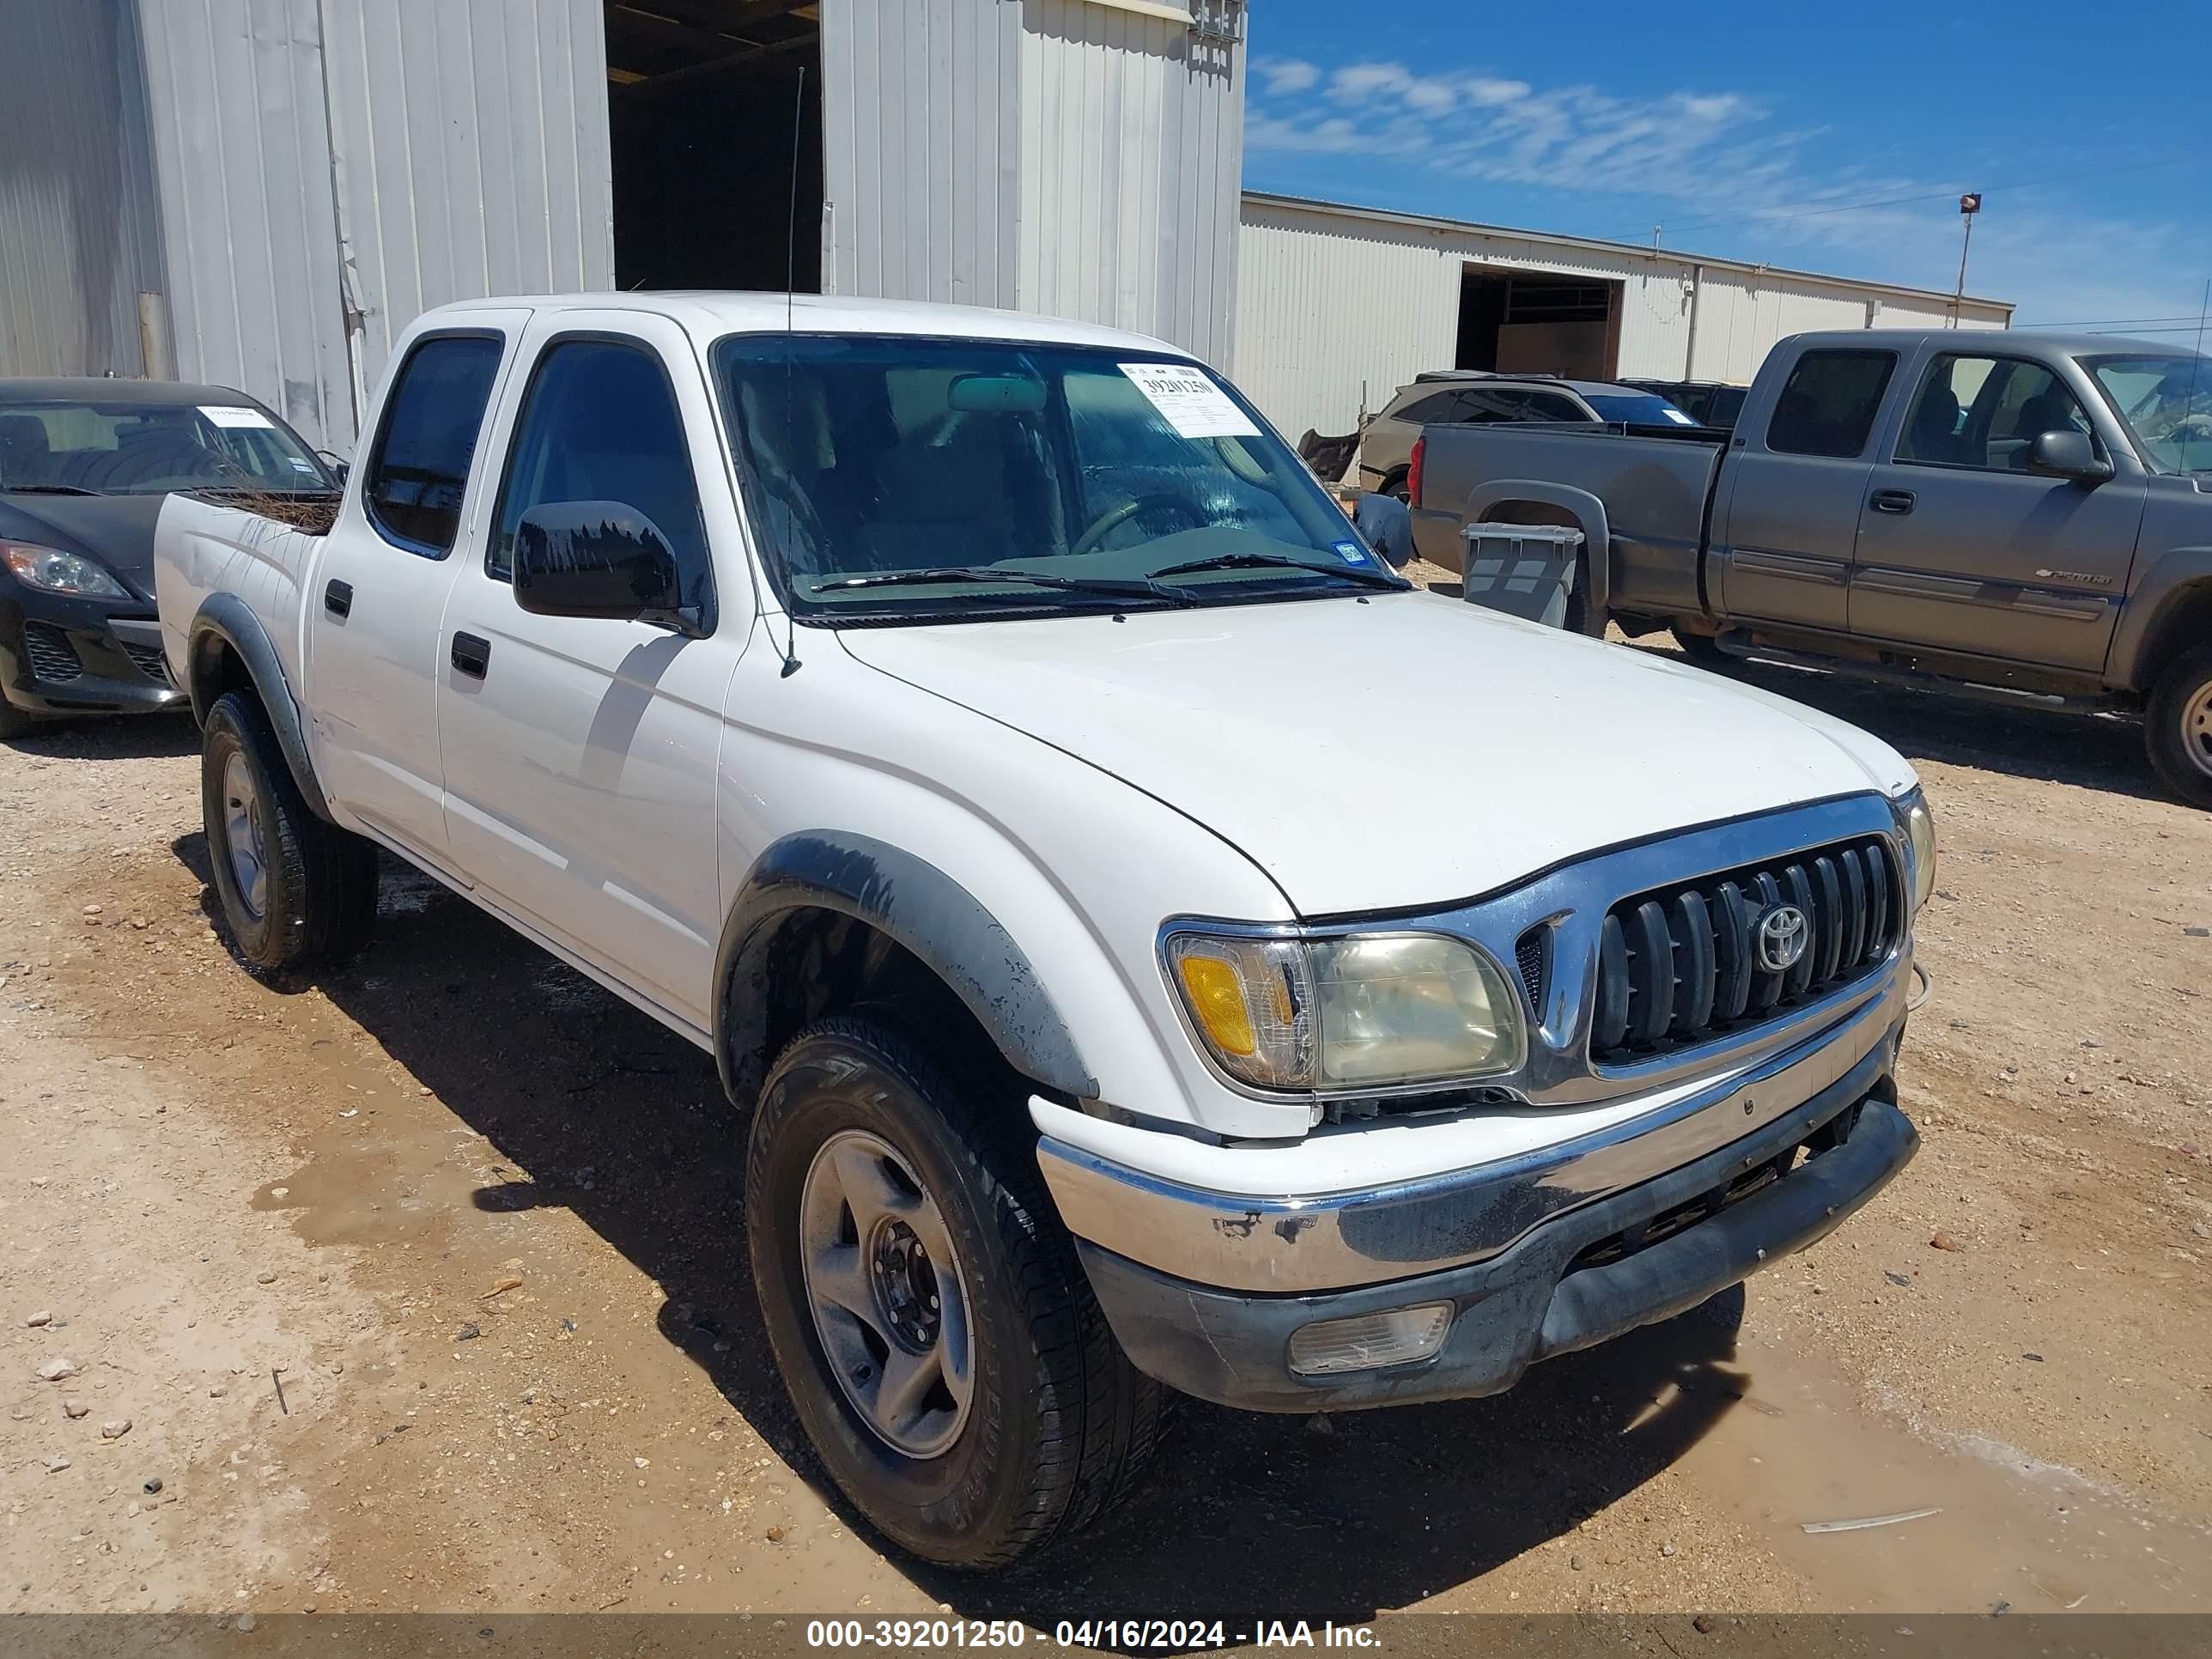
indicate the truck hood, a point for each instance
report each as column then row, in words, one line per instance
column 1409, row 751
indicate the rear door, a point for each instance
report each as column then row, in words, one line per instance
column 1789, row 511
column 380, row 592
column 1963, row 548
column 580, row 752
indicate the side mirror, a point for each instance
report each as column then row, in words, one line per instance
column 2065, row 453
column 601, row 559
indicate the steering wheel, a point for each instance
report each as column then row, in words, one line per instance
column 1115, row 517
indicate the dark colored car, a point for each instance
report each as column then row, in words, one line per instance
column 1708, row 403
column 84, row 465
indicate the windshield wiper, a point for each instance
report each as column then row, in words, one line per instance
column 1145, row 588
column 1273, row 562
column 45, row 489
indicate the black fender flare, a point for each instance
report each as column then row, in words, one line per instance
column 925, row 911
column 1587, row 512
column 224, row 619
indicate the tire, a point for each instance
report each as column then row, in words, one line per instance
column 2178, row 725
column 316, row 887
column 1397, row 489
column 1057, row 1423
column 1700, row 648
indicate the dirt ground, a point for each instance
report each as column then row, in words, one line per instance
column 424, row 1287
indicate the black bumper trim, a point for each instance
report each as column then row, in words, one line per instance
column 1524, row 1305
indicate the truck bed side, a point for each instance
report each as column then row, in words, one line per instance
column 1641, row 501
column 201, row 549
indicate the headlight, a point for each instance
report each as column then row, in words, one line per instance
column 57, row 572
column 1363, row 1011
column 1920, row 832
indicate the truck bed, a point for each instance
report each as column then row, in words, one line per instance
column 202, row 548
column 1649, row 487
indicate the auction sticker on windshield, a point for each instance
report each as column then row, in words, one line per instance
column 232, row 415
column 1189, row 401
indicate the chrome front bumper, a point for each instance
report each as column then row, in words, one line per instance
column 1297, row 1243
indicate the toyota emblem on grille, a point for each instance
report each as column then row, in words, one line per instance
column 1780, row 936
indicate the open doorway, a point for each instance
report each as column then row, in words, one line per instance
column 1520, row 322
column 702, row 101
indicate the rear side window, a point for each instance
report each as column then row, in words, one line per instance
column 600, row 423
column 414, row 481
column 1828, row 405
column 1437, row 406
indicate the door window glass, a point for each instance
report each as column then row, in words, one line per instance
column 1986, row 412
column 600, row 423
column 1828, row 403
column 419, row 470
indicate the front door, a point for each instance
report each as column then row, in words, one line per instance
column 379, row 591
column 580, row 752
column 1784, row 527
column 1962, row 547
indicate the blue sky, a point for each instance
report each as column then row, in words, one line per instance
column 1832, row 138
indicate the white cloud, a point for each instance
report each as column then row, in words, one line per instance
column 1487, row 92
column 1286, row 74
column 1355, row 82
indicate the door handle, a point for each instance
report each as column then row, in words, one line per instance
column 472, row 655
column 337, row 598
column 1892, row 500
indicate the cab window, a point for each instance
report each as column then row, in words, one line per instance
column 418, row 471
column 1986, row 413
column 599, row 422
column 1828, row 403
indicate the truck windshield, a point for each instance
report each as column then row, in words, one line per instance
column 1033, row 477
column 2166, row 399
column 120, row 446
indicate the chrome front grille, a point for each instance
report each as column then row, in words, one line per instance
column 1684, row 964
column 52, row 655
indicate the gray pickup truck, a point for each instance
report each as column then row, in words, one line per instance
column 2027, row 513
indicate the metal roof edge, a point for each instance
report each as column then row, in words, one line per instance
column 1432, row 222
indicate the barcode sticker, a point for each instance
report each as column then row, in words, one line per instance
column 1189, row 401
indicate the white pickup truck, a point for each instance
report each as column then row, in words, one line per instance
column 1152, row 943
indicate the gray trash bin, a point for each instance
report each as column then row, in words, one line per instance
column 1526, row 570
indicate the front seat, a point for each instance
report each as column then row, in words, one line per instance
column 1934, row 433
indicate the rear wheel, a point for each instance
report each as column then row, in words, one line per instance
column 936, row 1334
column 297, row 892
column 2178, row 725
column 1702, row 649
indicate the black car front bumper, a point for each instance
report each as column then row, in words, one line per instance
column 60, row 654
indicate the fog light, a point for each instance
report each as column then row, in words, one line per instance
column 1370, row 1341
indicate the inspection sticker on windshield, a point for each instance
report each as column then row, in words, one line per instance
column 232, row 415
column 1350, row 552
column 1189, row 400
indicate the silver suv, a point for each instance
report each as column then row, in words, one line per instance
column 1473, row 397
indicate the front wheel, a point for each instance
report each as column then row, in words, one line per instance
column 297, row 892
column 926, row 1308
column 2178, row 725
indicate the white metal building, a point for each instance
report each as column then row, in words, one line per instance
column 263, row 193
column 1339, row 306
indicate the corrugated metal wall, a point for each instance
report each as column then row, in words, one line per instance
column 1329, row 300
column 79, row 223
column 1064, row 156
column 331, row 168
column 921, row 150
column 472, row 155
column 1132, row 153
column 1331, row 314
column 241, row 140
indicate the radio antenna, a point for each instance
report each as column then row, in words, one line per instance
column 790, row 288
